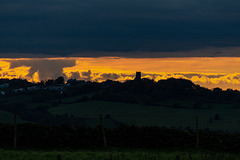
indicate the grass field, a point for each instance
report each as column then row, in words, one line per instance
column 114, row 155
column 6, row 117
column 143, row 115
column 190, row 103
column 136, row 114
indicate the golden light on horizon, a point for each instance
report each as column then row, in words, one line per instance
column 10, row 73
column 223, row 72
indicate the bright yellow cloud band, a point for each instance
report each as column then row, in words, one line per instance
column 210, row 72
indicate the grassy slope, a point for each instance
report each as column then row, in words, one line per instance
column 6, row 117
column 155, row 115
column 116, row 155
column 25, row 103
column 137, row 114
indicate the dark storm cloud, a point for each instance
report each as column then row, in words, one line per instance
column 112, row 76
column 64, row 27
column 190, row 75
column 47, row 69
column 75, row 75
column 87, row 75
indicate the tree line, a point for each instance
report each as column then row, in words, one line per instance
column 36, row 136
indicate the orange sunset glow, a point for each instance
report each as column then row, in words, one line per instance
column 223, row 72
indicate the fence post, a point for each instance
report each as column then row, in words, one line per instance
column 15, row 131
column 197, row 132
column 103, row 132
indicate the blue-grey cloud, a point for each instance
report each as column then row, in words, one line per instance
column 47, row 69
column 112, row 76
column 65, row 27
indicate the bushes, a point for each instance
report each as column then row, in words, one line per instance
column 72, row 137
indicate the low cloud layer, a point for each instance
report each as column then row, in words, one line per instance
column 208, row 72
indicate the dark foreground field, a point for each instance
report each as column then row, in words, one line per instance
column 115, row 155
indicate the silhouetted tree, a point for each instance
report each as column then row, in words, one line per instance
column 59, row 80
column 50, row 82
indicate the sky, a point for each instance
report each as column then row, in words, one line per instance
column 98, row 40
column 125, row 28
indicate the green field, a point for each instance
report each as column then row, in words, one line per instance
column 114, row 155
column 6, row 117
column 160, row 114
column 147, row 115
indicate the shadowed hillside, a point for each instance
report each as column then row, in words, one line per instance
column 78, row 102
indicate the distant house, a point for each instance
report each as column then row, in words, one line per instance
column 72, row 81
column 4, row 85
column 35, row 88
column 55, row 88
column 2, row 93
column 68, row 84
column 19, row 90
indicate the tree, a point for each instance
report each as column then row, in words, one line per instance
column 49, row 82
column 59, row 80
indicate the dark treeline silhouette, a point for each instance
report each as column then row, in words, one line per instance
column 36, row 136
column 141, row 91
column 16, row 83
column 133, row 91
column 148, row 92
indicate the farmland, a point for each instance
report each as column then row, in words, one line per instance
column 161, row 115
column 172, row 103
column 136, row 114
column 6, row 117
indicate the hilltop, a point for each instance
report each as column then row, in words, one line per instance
column 78, row 102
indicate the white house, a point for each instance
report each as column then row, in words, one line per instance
column 4, row 85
